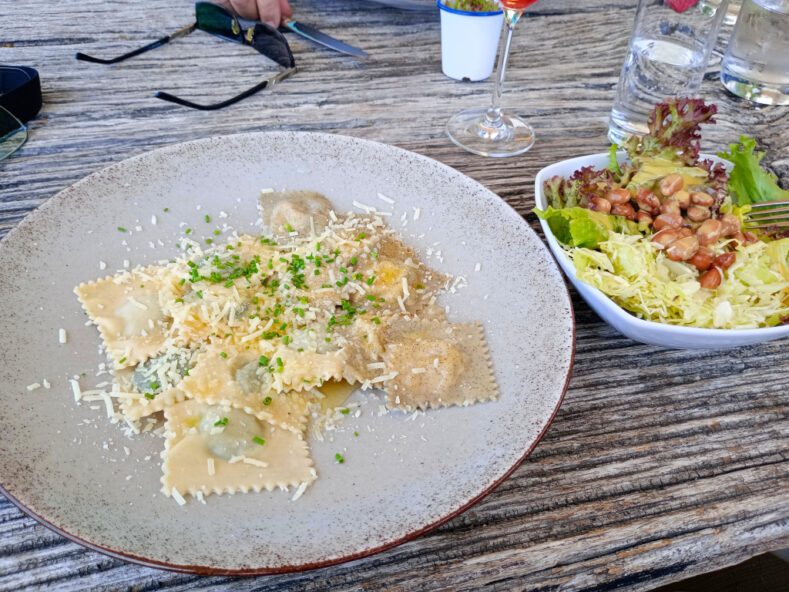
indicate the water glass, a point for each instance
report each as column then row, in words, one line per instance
column 756, row 63
column 666, row 57
column 731, row 13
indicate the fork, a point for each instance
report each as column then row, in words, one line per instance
column 768, row 214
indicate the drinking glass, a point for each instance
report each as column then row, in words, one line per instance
column 667, row 55
column 732, row 11
column 491, row 131
column 756, row 63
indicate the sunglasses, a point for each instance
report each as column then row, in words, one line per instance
column 219, row 21
column 20, row 101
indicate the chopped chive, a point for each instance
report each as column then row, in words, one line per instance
column 179, row 300
column 267, row 401
column 222, row 354
column 339, row 458
column 209, row 240
column 122, row 360
column 207, row 218
column 149, row 395
column 182, row 282
column 217, row 232
column 371, row 280
column 353, row 260
column 258, row 440
column 376, row 320
column 356, row 434
column 221, row 422
column 154, row 385
column 188, row 231
column 121, row 228
column 280, row 365
column 166, row 209
column 345, row 411
column 263, row 361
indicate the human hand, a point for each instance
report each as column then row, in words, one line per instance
column 273, row 12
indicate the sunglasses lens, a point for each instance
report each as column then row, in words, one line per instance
column 217, row 20
column 272, row 44
column 13, row 134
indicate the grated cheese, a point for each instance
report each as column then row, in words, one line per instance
column 418, row 370
column 388, row 200
column 62, row 336
column 76, row 389
column 211, row 467
column 300, row 491
column 177, row 496
column 34, row 386
column 255, row 462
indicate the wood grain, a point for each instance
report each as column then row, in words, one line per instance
column 660, row 465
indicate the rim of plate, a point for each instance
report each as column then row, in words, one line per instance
column 283, row 569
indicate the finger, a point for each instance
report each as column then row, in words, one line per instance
column 269, row 12
column 285, row 9
column 246, row 9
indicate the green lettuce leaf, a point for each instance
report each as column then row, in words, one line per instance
column 579, row 227
column 613, row 162
column 747, row 180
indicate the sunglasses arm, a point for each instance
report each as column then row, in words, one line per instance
column 159, row 42
column 165, row 96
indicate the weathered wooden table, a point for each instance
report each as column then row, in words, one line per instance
column 660, row 464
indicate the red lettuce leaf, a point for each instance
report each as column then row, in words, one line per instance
column 676, row 124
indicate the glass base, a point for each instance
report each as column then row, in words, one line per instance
column 470, row 130
column 755, row 91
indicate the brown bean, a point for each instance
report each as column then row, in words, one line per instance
column 683, row 198
column 619, row 196
column 731, row 224
column 702, row 259
column 600, row 204
column 739, row 238
column 750, row 237
column 647, row 201
column 671, row 184
column 643, row 218
column 668, row 221
column 709, row 232
column 683, row 249
column 711, row 279
column 698, row 213
column 670, row 206
column 701, row 199
column 664, row 238
column 725, row 260
column 625, row 210
column 685, row 231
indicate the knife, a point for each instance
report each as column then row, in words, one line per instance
column 313, row 34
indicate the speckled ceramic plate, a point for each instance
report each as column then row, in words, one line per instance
column 67, row 466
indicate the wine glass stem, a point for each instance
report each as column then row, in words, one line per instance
column 511, row 17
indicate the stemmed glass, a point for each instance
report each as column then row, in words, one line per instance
column 490, row 131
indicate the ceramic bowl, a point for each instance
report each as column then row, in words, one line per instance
column 638, row 329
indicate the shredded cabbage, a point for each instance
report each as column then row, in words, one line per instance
column 643, row 280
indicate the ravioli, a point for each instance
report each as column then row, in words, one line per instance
column 242, row 344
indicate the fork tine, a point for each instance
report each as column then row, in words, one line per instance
column 780, row 222
column 768, row 214
column 769, row 204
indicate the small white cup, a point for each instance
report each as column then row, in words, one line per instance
column 469, row 41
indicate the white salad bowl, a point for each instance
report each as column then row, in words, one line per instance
column 626, row 323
